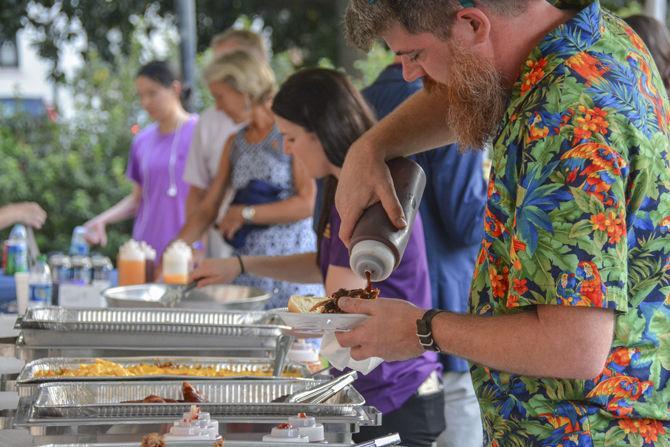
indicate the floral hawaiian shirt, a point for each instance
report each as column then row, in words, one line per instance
column 578, row 214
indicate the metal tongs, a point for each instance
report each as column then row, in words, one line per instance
column 390, row 439
column 321, row 393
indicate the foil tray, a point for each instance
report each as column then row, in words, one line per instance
column 227, row 443
column 137, row 320
column 221, row 337
column 239, row 368
column 76, row 400
column 148, row 328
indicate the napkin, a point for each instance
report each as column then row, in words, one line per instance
column 340, row 357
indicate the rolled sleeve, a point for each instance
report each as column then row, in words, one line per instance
column 134, row 169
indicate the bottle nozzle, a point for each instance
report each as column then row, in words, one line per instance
column 374, row 257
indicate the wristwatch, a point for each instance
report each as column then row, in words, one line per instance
column 248, row 213
column 424, row 330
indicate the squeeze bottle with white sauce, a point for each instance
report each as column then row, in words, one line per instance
column 177, row 263
column 130, row 263
column 377, row 246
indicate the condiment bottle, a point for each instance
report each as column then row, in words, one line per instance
column 377, row 246
column 177, row 262
column 149, row 261
column 131, row 264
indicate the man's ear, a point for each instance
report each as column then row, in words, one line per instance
column 471, row 27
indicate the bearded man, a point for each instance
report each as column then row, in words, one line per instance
column 569, row 325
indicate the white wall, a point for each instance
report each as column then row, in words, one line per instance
column 31, row 78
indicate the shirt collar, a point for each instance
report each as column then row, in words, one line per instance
column 575, row 36
column 571, row 4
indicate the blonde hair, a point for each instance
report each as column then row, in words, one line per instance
column 244, row 39
column 245, row 73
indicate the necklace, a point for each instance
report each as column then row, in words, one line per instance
column 172, row 189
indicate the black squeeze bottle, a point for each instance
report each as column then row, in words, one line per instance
column 377, row 246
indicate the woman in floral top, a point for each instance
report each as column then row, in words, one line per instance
column 569, row 335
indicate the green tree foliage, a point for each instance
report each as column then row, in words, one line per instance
column 75, row 169
column 309, row 26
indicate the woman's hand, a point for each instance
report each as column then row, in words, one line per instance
column 230, row 224
column 216, row 271
column 29, row 213
column 96, row 232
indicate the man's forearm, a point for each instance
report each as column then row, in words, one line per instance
column 417, row 125
column 194, row 199
column 546, row 341
column 196, row 224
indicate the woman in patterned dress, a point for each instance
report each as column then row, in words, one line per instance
column 253, row 164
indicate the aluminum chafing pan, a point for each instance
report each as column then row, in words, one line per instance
column 219, row 337
column 213, row 297
column 240, row 368
column 227, row 443
column 232, row 397
column 136, row 320
column 148, row 328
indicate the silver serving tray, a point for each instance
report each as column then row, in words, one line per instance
column 148, row 328
column 213, row 297
column 138, row 320
column 227, row 443
column 28, row 378
column 231, row 397
column 212, row 337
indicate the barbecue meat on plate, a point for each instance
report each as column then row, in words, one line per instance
column 303, row 304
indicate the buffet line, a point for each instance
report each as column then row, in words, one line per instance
column 163, row 376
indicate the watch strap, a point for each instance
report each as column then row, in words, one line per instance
column 424, row 330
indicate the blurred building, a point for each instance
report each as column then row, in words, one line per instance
column 24, row 78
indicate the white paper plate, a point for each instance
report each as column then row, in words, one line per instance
column 315, row 323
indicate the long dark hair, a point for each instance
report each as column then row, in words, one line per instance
column 325, row 102
column 162, row 73
column 655, row 35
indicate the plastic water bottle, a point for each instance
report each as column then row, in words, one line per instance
column 78, row 244
column 40, row 284
column 17, row 250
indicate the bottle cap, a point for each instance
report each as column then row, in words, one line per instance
column 131, row 251
column 149, row 251
column 374, row 257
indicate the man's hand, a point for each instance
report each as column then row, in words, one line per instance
column 216, row 271
column 29, row 213
column 389, row 333
column 231, row 222
column 364, row 180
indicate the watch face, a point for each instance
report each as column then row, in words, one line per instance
column 247, row 213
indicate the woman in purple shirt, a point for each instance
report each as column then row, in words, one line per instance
column 155, row 165
column 320, row 114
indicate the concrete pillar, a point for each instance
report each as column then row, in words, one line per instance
column 657, row 9
column 185, row 10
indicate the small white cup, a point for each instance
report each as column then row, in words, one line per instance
column 22, row 291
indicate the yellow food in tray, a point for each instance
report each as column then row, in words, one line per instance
column 106, row 368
